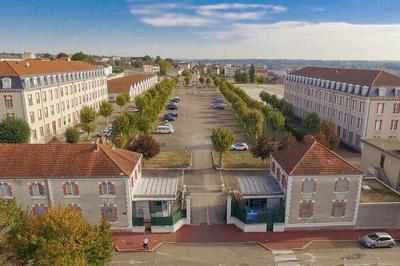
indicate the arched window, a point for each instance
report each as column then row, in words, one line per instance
column 342, row 185
column 309, row 186
column 6, row 83
column 37, row 190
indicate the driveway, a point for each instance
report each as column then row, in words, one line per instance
column 192, row 131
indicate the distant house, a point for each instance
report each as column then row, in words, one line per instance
column 229, row 71
column 183, row 66
column 134, row 85
column 28, row 56
column 150, row 68
column 261, row 71
column 381, row 158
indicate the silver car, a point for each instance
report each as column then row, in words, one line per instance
column 378, row 239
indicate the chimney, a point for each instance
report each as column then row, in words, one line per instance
column 27, row 64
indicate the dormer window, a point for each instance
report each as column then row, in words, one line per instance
column 27, row 82
column 6, row 83
column 397, row 92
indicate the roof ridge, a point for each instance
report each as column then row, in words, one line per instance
column 109, row 157
column 377, row 76
column 7, row 62
column 304, row 155
column 340, row 157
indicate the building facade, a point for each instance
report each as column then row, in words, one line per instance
column 322, row 189
column 49, row 95
column 229, row 71
column 134, row 85
column 381, row 158
column 96, row 179
column 151, row 68
column 357, row 101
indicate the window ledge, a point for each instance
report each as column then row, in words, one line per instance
column 38, row 197
column 72, row 197
column 108, row 196
column 7, row 197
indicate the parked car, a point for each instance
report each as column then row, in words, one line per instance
column 168, row 117
column 172, row 106
column 164, row 129
column 219, row 106
column 166, row 124
column 378, row 239
column 176, row 99
column 173, row 114
column 218, row 100
column 134, row 109
column 239, row 146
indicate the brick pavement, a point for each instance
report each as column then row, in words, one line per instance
column 126, row 241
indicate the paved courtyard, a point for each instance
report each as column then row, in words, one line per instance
column 192, row 131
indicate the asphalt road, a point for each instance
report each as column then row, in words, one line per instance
column 336, row 253
column 192, row 131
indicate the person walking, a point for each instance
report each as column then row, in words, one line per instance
column 146, row 243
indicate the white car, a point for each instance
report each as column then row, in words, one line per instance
column 164, row 130
column 239, row 146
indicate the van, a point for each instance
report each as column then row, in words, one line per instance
column 164, row 130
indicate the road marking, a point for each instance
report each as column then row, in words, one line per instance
column 208, row 217
column 285, row 258
column 164, row 254
column 191, row 259
column 222, row 179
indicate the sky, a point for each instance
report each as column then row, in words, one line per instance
column 212, row 29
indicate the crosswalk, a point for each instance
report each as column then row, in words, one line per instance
column 285, row 258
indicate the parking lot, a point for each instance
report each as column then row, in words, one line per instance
column 192, row 131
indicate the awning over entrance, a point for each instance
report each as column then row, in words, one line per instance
column 155, row 189
column 252, row 187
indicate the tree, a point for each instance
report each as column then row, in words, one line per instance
column 201, row 80
column 216, row 82
column 328, row 128
column 312, row 123
column 252, row 73
column 78, row 56
column 122, row 99
column 146, row 145
column 164, row 66
column 147, row 58
column 62, row 55
column 121, row 125
column 238, row 76
column 60, row 237
column 106, row 110
column 71, row 135
column 263, row 147
column 208, row 81
column 48, row 56
column 245, row 77
column 318, row 136
column 275, row 120
column 142, row 123
column 187, row 76
column 14, row 130
column 287, row 140
column 222, row 139
column 87, row 118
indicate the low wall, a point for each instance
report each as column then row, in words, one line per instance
column 169, row 228
column 247, row 227
column 379, row 215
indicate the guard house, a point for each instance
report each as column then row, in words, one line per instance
column 257, row 203
column 157, row 202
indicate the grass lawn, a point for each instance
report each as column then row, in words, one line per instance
column 377, row 193
column 241, row 159
column 169, row 159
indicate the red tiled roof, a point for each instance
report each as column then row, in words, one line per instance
column 65, row 160
column 122, row 85
column 311, row 157
column 36, row 67
column 355, row 76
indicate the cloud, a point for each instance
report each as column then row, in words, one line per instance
column 185, row 15
column 299, row 39
column 174, row 20
column 317, row 9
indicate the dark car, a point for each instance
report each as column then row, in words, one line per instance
column 219, row 106
column 173, row 114
column 168, row 117
column 218, row 100
column 172, row 106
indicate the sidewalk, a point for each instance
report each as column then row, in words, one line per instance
column 232, row 234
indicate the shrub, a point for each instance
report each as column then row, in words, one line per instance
column 146, row 145
column 71, row 135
